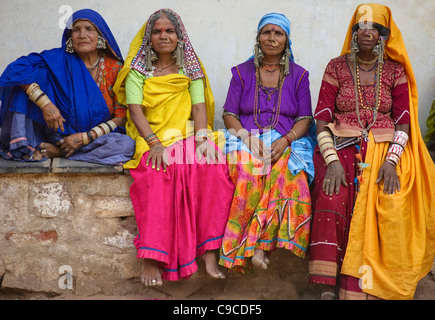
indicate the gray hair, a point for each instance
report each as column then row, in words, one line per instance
column 171, row 17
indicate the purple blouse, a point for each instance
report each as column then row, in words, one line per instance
column 295, row 98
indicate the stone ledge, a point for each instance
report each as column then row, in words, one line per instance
column 10, row 166
column 86, row 222
column 57, row 165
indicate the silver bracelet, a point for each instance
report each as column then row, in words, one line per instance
column 201, row 135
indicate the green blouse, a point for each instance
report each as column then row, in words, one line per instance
column 134, row 88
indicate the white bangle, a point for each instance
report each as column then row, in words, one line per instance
column 201, row 135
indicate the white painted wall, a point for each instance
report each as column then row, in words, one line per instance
column 223, row 33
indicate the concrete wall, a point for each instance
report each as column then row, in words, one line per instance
column 223, row 33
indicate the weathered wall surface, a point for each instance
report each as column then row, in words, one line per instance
column 84, row 223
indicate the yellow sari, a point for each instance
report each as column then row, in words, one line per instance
column 392, row 237
column 162, row 98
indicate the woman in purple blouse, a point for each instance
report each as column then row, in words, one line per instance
column 268, row 115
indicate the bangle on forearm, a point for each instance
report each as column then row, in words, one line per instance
column 98, row 130
column 43, row 102
column 85, row 138
column 294, row 133
column 32, row 87
column 37, row 96
column 104, row 128
column 332, row 157
column 152, row 139
column 112, row 124
column 90, row 136
column 288, row 139
column 326, row 146
column 201, row 135
column 397, row 147
column 392, row 158
column 153, row 142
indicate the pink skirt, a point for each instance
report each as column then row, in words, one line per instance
column 180, row 213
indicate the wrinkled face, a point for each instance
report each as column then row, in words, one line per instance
column 163, row 36
column 272, row 40
column 84, row 37
column 367, row 37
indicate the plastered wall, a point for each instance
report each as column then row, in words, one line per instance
column 223, row 33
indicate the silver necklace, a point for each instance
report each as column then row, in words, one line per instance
column 93, row 67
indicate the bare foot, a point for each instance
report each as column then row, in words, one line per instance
column 150, row 273
column 211, row 265
column 37, row 156
column 49, row 150
column 259, row 259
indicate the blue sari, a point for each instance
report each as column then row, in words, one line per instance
column 68, row 84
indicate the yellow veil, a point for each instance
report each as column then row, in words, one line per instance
column 392, row 237
column 119, row 89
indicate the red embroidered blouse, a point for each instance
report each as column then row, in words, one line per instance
column 336, row 103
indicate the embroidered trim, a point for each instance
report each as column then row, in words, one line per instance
column 303, row 118
column 228, row 113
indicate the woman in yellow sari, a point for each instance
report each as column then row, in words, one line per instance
column 181, row 192
column 373, row 230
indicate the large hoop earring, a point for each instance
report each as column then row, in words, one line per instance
column 69, row 46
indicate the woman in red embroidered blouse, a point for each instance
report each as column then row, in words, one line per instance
column 363, row 123
column 336, row 103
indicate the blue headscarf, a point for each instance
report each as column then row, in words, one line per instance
column 281, row 21
column 97, row 20
column 65, row 80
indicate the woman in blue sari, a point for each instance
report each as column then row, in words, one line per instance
column 60, row 102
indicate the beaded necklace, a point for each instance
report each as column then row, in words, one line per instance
column 371, row 69
column 98, row 66
column 94, row 66
column 269, row 71
column 277, row 105
column 359, row 98
column 366, row 61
